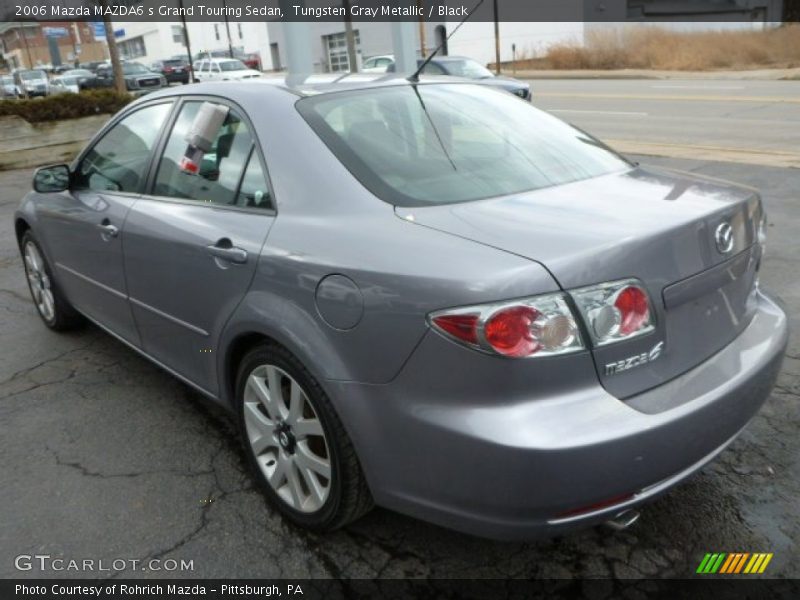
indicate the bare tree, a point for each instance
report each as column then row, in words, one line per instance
column 113, row 51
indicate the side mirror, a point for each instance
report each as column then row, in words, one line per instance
column 54, row 178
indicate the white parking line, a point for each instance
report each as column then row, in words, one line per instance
column 600, row 112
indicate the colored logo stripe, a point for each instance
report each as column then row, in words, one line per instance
column 734, row 563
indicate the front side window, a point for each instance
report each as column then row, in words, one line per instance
column 220, row 173
column 469, row 69
column 119, row 160
column 418, row 145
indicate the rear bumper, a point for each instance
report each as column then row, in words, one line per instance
column 509, row 467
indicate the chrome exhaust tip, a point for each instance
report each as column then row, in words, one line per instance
column 623, row 519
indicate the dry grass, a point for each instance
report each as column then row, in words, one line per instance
column 656, row 48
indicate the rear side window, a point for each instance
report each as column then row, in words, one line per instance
column 418, row 145
column 223, row 171
column 119, row 160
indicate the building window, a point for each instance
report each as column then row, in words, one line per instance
column 337, row 50
column 239, row 27
column 132, row 48
column 177, row 35
column 216, row 31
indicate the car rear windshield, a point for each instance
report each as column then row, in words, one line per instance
column 232, row 65
column 428, row 144
column 31, row 75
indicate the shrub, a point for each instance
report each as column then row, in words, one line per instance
column 65, row 106
column 652, row 47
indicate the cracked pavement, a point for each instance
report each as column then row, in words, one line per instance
column 105, row 456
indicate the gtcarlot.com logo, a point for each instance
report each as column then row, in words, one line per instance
column 734, row 563
column 46, row 562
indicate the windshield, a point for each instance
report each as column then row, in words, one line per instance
column 30, row 75
column 79, row 73
column 437, row 144
column 232, row 65
column 467, row 68
column 134, row 69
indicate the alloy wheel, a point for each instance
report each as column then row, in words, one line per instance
column 287, row 438
column 39, row 282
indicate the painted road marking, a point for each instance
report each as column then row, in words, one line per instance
column 698, row 87
column 755, row 156
column 600, row 112
column 761, row 99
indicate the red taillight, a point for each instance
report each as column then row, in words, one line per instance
column 509, row 331
column 167, row 69
column 634, row 309
column 537, row 326
column 614, row 311
column 463, row 327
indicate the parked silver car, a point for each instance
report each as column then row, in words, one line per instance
column 432, row 296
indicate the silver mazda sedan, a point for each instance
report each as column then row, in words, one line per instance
column 430, row 296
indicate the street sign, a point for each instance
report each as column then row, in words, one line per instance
column 55, row 32
column 119, row 33
column 99, row 30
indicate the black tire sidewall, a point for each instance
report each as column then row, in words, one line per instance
column 325, row 517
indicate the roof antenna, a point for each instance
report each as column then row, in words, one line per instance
column 414, row 78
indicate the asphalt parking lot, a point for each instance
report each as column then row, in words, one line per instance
column 104, row 456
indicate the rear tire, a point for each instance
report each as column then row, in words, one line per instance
column 53, row 308
column 295, row 443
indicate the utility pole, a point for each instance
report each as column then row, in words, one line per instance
column 27, row 48
column 227, row 28
column 422, row 52
column 496, row 40
column 187, row 43
column 350, row 37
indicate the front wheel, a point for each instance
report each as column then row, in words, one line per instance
column 296, row 444
column 52, row 306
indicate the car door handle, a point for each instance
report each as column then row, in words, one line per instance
column 108, row 230
column 225, row 251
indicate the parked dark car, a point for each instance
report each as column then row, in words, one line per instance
column 83, row 77
column 461, row 66
column 138, row 78
column 174, row 70
column 93, row 65
column 472, row 313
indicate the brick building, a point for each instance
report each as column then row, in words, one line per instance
column 26, row 45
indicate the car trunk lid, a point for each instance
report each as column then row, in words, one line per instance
column 654, row 225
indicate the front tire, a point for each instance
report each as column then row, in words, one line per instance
column 52, row 306
column 295, row 443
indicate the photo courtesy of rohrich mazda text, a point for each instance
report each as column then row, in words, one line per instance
column 417, row 292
